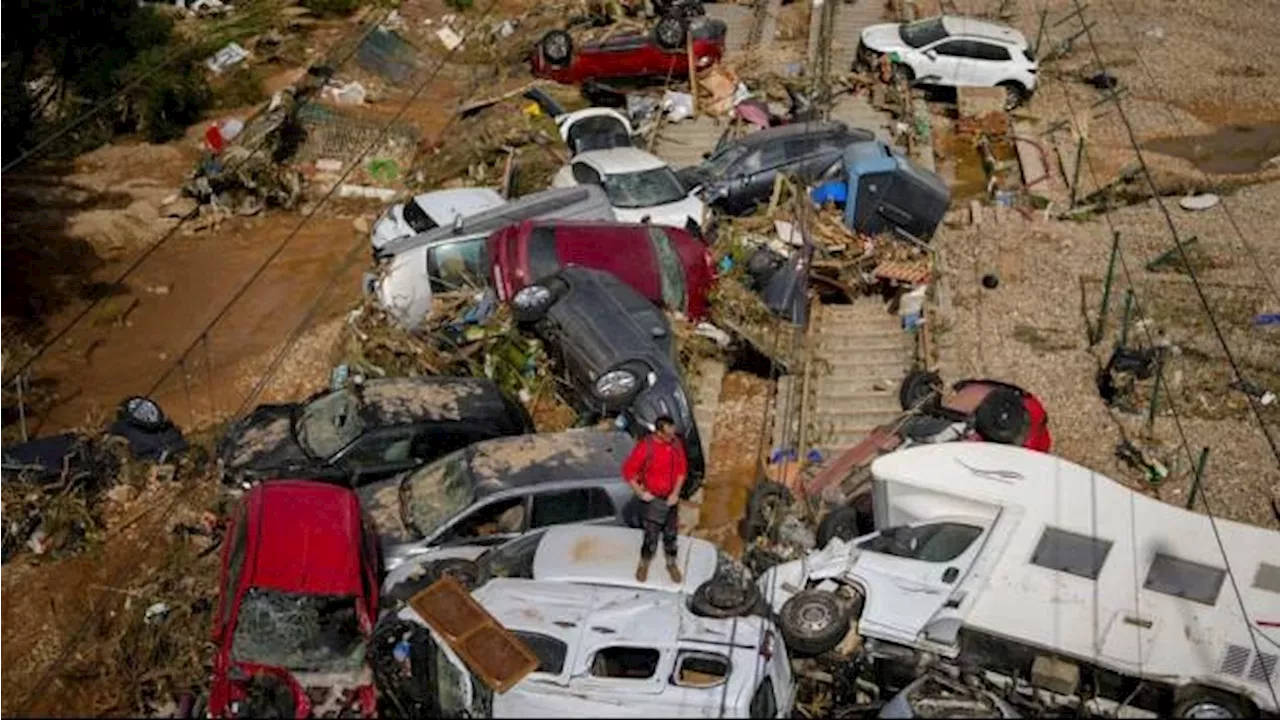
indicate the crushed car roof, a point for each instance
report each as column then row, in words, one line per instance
column 305, row 538
column 394, row 401
column 606, row 555
column 583, row 454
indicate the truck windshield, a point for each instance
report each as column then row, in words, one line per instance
column 305, row 633
column 646, row 188
column 936, row 542
column 922, row 32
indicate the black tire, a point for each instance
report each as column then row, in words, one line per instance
column 1200, row 702
column 556, row 48
column 766, row 499
column 533, row 313
column 1014, row 94
column 640, row 370
column 903, row 72
column 465, row 572
column 143, row 413
column 846, row 523
column 916, row 386
column 723, row 598
column 1002, row 418
column 813, row 622
column 669, row 33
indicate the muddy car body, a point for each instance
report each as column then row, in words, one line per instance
column 607, row 651
column 659, row 54
column 368, row 430
column 617, row 350
column 428, row 211
column 740, row 174
column 670, row 267
column 887, row 193
column 496, row 490
column 297, row 602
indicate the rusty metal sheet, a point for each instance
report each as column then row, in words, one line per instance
column 914, row 273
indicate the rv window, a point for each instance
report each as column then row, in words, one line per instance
column 700, row 670
column 628, row 663
column 1069, row 552
column 1267, row 578
column 1184, row 579
column 550, row 651
column 936, row 542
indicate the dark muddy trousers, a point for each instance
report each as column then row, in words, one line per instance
column 659, row 518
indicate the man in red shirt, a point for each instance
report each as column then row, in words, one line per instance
column 656, row 470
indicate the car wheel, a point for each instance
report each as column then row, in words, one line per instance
column 616, row 387
column 669, row 33
column 465, row 572
column 767, row 501
column 1014, row 94
column 556, row 48
column 916, row 387
column 143, row 413
column 1002, row 417
column 902, row 72
column 532, row 302
column 813, row 622
column 1202, row 702
column 721, row 597
column 846, row 523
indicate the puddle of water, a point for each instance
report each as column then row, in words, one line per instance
column 969, row 178
column 1231, row 150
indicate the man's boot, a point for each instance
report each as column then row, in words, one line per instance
column 674, row 570
column 642, row 570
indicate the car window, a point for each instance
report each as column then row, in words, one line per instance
column 431, row 495
column 597, row 133
column 626, row 663
column 922, row 32
column 512, row 559
column 800, row 147
column 549, row 651
column 584, row 174
column 772, row 155
column 235, row 560
column 956, row 48
column 330, row 423
column 503, row 517
column 935, row 542
column 763, row 703
column 670, row 269
column 417, row 218
column 647, row 188
column 391, row 446
column 700, row 669
column 987, row 51
column 720, row 164
column 570, row 506
column 312, row 633
column 750, row 163
column 457, row 265
column 543, row 258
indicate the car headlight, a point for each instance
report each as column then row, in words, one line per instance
column 532, row 296
column 616, row 383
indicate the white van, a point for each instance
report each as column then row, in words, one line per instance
column 1025, row 565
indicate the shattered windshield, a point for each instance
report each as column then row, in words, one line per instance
column 304, row 633
column 646, row 188
column 511, row 560
column 922, row 32
column 717, row 165
column 436, row 493
column 330, row 423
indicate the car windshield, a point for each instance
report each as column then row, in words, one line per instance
column 646, row 188
column 922, row 32
column 417, row 218
column 330, row 423
column 717, row 165
column 435, row 493
column 513, row 559
column 598, row 133
column 304, row 633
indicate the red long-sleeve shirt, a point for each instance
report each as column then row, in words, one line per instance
column 657, row 464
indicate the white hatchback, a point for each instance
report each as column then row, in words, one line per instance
column 956, row 52
column 641, row 187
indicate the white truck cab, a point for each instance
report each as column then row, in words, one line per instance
column 1001, row 556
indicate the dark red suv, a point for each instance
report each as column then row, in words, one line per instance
column 670, row 267
column 661, row 53
column 297, row 601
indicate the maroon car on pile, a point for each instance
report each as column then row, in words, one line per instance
column 661, row 53
column 668, row 266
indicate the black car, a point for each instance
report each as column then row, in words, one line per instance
column 617, row 350
column 739, row 175
column 367, row 431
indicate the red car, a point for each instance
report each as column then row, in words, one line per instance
column 661, row 53
column 297, row 602
column 669, row 266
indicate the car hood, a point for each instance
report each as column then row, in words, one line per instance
column 403, row 289
column 675, row 214
column 381, row 504
column 883, row 38
column 263, row 442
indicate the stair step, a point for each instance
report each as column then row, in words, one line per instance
column 857, row 401
column 883, row 366
column 863, row 340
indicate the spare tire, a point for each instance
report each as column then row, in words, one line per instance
column 556, row 48
column 766, row 499
column 1002, row 417
column 721, row 597
column 813, row 622
column 465, row 572
column 916, row 386
column 669, row 33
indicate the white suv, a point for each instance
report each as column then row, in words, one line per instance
column 954, row 52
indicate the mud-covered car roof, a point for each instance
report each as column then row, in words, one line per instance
column 398, row 401
column 584, row 454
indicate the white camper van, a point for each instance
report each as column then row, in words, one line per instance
column 1025, row 565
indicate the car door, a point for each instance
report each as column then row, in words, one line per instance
column 910, row 573
column 490, row 521
column 944, row 63
column 803, row 155
column 379, row 452
column 989, row 66
column 575, row 505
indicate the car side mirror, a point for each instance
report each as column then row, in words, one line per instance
column 931, row 54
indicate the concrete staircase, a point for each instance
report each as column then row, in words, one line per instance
column 856, row 110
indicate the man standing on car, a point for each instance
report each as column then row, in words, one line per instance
column 656, row 470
